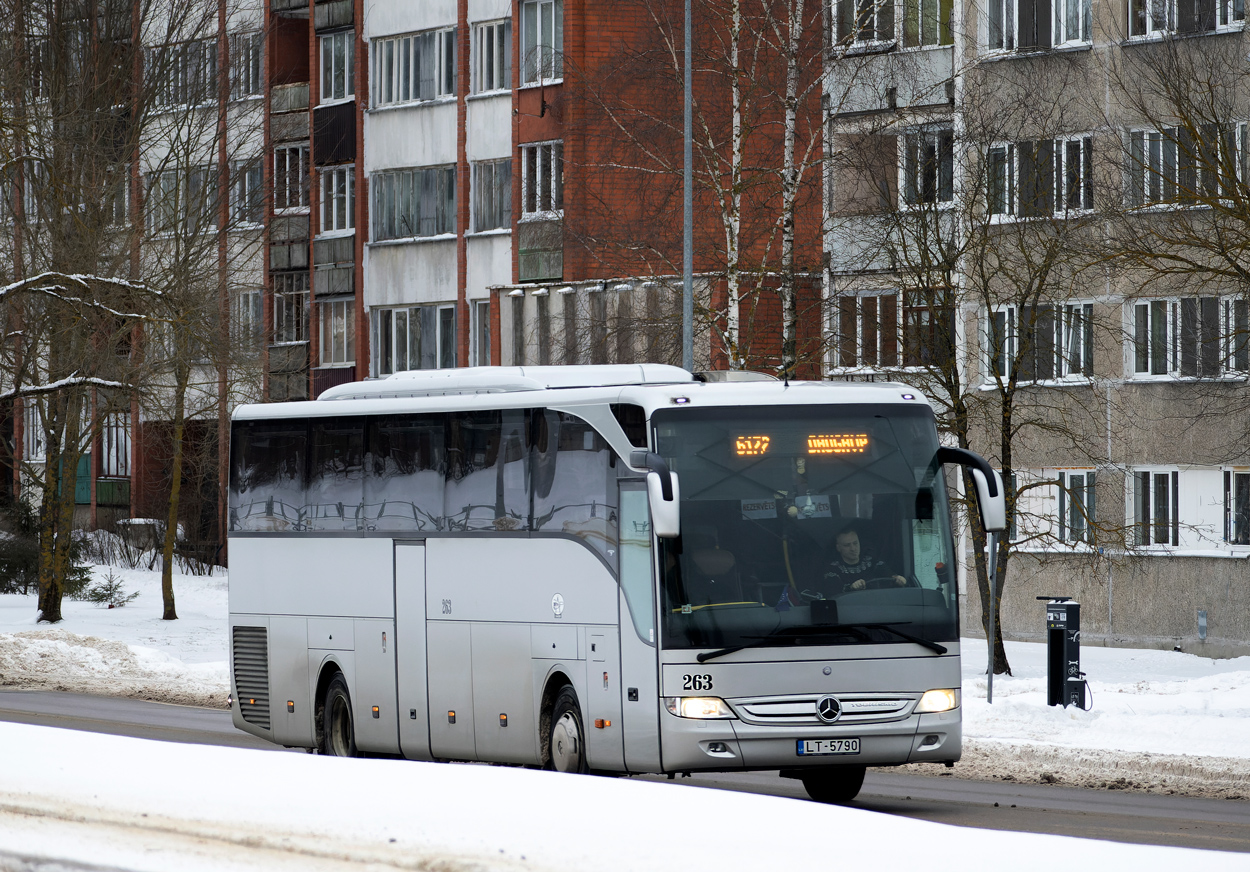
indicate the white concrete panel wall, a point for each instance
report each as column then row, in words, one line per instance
column 489, row 263
column 417, row 136
column 489, row 10
column 489, row 126
column 389, row 17
column 409, row 273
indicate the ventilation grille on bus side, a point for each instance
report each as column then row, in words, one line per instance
column 251, row 674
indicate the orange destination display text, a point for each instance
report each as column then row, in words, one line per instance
column 837, row 443
column 751, row 446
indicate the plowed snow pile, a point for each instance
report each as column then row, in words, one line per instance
column 1162, row 721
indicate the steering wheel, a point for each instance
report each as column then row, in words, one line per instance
column 886, row 581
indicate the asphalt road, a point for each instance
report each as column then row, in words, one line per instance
column 1146, row 819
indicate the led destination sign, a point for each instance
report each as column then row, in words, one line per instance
column 837, row 443
column 751, row 446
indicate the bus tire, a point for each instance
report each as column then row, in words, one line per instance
column 338, row 730
column 836, row 784
column 567, row 739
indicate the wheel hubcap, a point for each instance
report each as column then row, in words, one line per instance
column 566, row 744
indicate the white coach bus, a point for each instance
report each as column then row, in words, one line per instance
column 609, row 568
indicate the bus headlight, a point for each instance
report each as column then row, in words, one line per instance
column 704, row 707
column 938, row 701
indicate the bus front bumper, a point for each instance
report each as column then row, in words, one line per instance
column 691, row 744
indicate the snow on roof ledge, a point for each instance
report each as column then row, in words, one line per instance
column 505, row 379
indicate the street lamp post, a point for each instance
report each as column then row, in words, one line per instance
column 687, row 254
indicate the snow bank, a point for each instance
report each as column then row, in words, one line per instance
column 454, row 817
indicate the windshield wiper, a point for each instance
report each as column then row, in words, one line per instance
column 855, row 630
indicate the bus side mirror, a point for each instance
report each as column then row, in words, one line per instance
column 662, row 493
column 665, row 514
column 993, row 508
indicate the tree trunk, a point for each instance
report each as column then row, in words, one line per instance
column 789, row 193
column 175, row 491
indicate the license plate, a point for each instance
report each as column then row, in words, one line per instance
column 825, row 747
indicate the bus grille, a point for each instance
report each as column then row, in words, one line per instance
column 800, row 711
column 251, row 674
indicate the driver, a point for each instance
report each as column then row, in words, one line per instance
column 853, row 567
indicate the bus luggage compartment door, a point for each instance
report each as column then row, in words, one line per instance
column 449, row 651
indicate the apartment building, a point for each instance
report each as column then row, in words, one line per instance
column 1035, row 209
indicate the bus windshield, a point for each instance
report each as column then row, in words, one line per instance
column 806, row 525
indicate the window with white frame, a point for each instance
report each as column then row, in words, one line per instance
column 247, row 200
column 115, row 445
column 338, row 199
column 290, row 307
column 1153, row 17
column 481, row 333
column 928, row 166
column 1155, row 498
column 414, row 67
column 396, row 340
column 413, row 203
column 246, row 64
column 116, row 202
column 1036, row 24
column 337, row 338
column 1191, row 337
column 492, row 56
column 1174, row 165
column 338, row 52
column 182, row 200
column 1076, row 506
column 492, row 195
column 290, row 177
column 183, row 74
column 864, row 21
column 1237, row 507
column 34, row 443
column 869, row 330
column 1041, row 178
column 927, row 22
column 542, row 178
column 247, row 317
column 542, row 41
column 1048, row 341
column 446, row 337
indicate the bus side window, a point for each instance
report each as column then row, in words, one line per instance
column 336, row 475
column 575, row 482
column 267, row 475
column 487, row 484
column 404, row 468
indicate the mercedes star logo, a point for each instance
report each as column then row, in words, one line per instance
column 828, row 709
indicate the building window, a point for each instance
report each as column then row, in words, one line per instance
column 34, row 444
column 1153, row 17
column 1038, row 179
column 1193, row 337
column 290, row 307
column 115, row 445
column 542, row 178
column 446, row 337
column 1237, row 507
column 1156, row 504
column 1051, row 341
column 247, row 320
column 865, row 21
column 338, row 199
column 481, row 333
column 1076, row 506
column 290, row 177
column 338, row 332
column 338, row 51
column 396, row 340
column 542, row 40
column 929, row 166
column 182, row 200
column 414, row 203
column 247, row 204
column 492, row 56
column 927, row 22
column 870, row 331
column 1036, row 24
column 184, row 74
column 116, row 203
column 492, row 195
column 1171, row 165
column 419, row 66
column 246, row 52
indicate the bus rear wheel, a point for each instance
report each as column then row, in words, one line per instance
column 836, row 784
column 338, row 730
column 568, row 749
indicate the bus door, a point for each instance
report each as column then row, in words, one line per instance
column 639, row 690
column 410, row 643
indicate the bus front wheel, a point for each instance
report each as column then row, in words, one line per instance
column 338, row 731
column 836, row 784
column 568, row 750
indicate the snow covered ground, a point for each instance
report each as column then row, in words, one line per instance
column 1162, row 721
column 139, row 805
